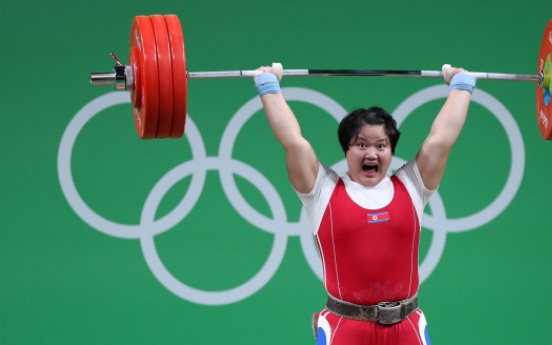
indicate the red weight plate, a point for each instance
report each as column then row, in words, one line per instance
column 164, row 63
column 180, row 80
column 134, row 61
column 544, row 112
column 142, row 38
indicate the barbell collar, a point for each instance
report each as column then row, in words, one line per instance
column 121, row 78
column 102, row 79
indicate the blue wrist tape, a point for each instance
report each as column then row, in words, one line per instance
column 462, row 81
column 267, row 83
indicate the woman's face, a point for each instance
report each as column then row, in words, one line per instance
column 369, row 155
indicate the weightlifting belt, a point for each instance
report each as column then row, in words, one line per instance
column 385, row 313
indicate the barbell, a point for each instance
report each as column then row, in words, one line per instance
column 157, row 77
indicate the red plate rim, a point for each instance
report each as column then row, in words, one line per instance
column 180, row 80
column 164, row 63
column 146, row 115
column 134, row 62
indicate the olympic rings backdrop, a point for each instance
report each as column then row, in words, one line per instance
column 108, row 239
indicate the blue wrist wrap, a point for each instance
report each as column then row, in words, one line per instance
column 463, row 81
column 267, row 83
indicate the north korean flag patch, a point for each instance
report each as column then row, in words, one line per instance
column 378, row 217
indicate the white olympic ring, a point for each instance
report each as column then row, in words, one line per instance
column 148, row 227
column 517, row 165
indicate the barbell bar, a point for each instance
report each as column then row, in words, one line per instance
column 157, row 78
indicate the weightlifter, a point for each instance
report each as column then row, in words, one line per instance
column 367, row 224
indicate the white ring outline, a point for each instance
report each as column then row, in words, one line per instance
column 236, row 294
column 69, row 189
column 249, row 109
column 517, row 148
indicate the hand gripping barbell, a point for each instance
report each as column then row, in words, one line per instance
column 157, row 77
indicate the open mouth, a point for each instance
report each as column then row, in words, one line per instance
column 370, row 169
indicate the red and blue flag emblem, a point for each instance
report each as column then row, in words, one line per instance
column 378, row 217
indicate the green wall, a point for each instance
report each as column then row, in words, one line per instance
column 109, row 239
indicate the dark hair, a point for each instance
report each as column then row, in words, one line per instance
column 350, row 125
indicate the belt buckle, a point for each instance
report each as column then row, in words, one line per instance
column 368, row 314
column 390, row 312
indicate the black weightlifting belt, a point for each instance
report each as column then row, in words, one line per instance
column 385, row 313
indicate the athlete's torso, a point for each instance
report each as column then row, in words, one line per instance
column 370, row 255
